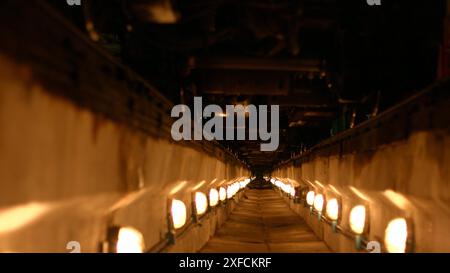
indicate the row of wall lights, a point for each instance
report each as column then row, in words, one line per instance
column 397, row 237
column 178, row 215
column 130, row 240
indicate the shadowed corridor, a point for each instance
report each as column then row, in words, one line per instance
column 262, row 222
column 123, row 133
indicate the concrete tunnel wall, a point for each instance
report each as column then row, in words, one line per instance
column 66, row 174
column 408, row 178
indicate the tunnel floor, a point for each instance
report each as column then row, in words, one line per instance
column 262, row 222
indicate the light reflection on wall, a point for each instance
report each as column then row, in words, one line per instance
column 17, row 217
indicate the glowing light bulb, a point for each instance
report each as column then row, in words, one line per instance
column 396, row 235
column 222, row 194
column 358, row 219
column 230, row 192
column 278, row 183
column 310, row 198
column 287, row 189
column 201, row 203
column 179, row 213
column 130, row 241
column 292, row 193
column 235, row 188
column 333, row 209
column 213, row 197
column 318, row 202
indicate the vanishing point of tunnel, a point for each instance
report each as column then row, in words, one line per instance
column 224, row 126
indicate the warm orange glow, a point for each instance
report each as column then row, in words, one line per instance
column 236, row 188
column 310, row 198
column 244, row 183
column 130, row 241
column 177, row 188
column 397, row 199
column 201, row 203
column 278, row 183
column 333, row 209
column 286, row 188
column 179, row 213
column 292, row 193
column 213, row 197
column 230, row 192
column 318, row 183
column 358, row 219
column 20, row 216
column 222, row 194
column 318, row 202
column 198, row 186
column 360, row 194
column 396, row 235
column 335, row 189
column 213, row 181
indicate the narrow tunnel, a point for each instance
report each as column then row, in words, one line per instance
column 263, row 222
column 166, row 126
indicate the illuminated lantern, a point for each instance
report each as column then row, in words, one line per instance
column 332, row 209
column 222, row 194
column 396, row 236
column 213, row 197
column 201, row 203
column 358, row 219
column 129, row 241
column 179, row 213
column 310, row 198
column 318, row 202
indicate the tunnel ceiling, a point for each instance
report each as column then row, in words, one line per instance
column 329, row 64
